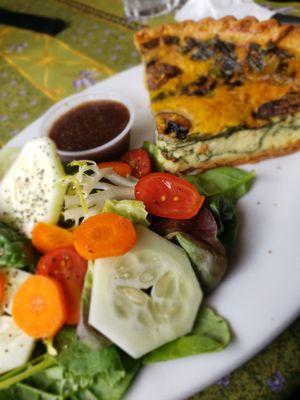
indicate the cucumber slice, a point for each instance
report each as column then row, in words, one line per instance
column 14, row 278
column 145, row 298
column 15, row 346
column 30, row 191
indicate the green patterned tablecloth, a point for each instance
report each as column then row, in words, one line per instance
column 36, row 70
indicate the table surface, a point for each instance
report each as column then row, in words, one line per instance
column 37, row 70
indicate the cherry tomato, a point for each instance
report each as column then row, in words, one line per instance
column 169, row 196
column 139, row 161
column 69, row 268
column 119, row 167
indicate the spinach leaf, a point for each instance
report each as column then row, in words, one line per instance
column 224, row 213
column 15, row 250
column 210, row 333
column 233, row 183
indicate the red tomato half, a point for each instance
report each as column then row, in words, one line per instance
column 169, row 196
column 139, row 161
column 69, row 268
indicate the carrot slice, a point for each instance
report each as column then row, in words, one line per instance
column 47, row 237
column 119, row 167
column 2, row 284
column 104, row 235
column 39, row 307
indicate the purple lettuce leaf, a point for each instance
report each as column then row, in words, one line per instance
column 198, row 237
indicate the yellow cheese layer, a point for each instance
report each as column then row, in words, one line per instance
column 226, row 107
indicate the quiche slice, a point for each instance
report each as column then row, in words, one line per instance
column 223, row 92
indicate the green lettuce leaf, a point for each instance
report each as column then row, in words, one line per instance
column 101, row 390
column 77, row 373
column 232, row 183
column 152, row 151
column 85, row 332
column 47, row 383
column 133, row 210
column 81, row 360
column 24, row 391
column 56, row 383
column 15, row 250
column 7, row 157
column 210, row 333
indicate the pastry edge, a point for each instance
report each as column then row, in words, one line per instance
column 239, row 30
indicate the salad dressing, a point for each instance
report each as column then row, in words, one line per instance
column 89, row 125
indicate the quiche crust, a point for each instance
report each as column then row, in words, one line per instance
column 242, row 31
column 220, row 78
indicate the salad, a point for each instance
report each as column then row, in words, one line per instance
column 105, row 268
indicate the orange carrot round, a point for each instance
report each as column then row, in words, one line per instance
column 119, row 167
column 47, row 237
column 39, row 307
column 2, row 284
column 104, row 235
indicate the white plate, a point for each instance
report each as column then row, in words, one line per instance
column 260, row 295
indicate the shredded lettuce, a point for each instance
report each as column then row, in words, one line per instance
column 133, row 210
column 210, row 333
column 72, row 183
column 90, row 187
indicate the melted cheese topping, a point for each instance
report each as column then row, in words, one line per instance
column 191, row 71
column 224, row 109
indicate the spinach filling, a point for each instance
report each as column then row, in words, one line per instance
column 185, row 151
